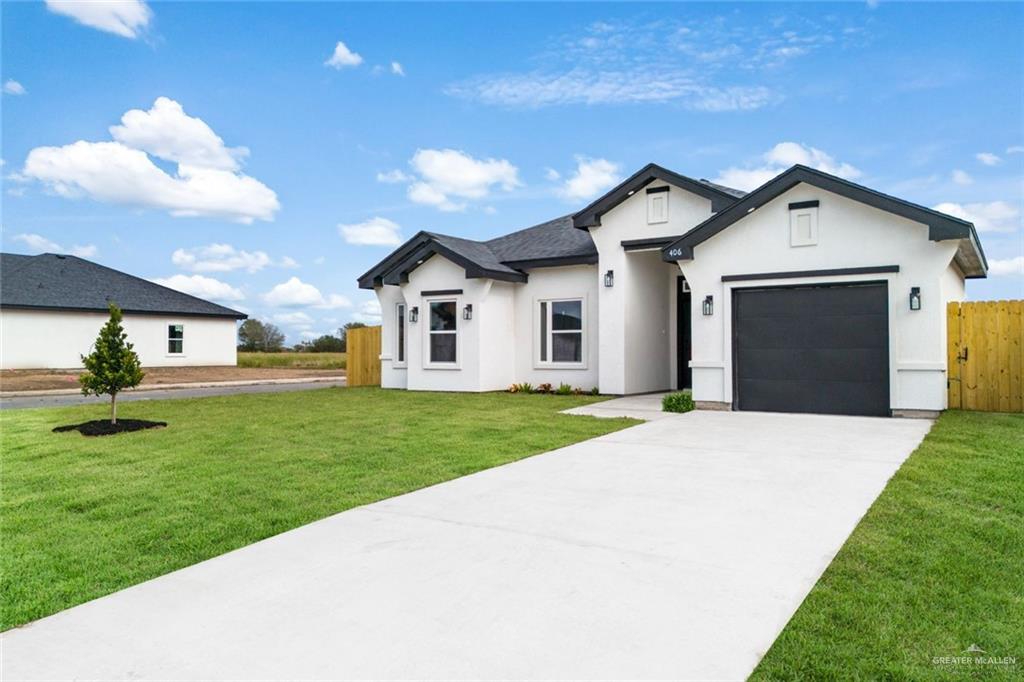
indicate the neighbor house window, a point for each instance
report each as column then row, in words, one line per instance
column 561, row 331
column 443, row 331
column 175, row 338
column 400, row 319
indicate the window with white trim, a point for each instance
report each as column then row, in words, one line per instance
column 444, row 332
column 400, row 334
column 561, row 331
column 175, row 339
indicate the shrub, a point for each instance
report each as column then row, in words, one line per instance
column 595, row 391
column 677, row 402
column 521, row 388
column 578, row 391
column 564, row 389
column 544, row 388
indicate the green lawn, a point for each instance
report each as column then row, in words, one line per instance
column 292, row 360
column 83, row 517
column 936, row 565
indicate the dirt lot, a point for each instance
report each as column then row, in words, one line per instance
column 43, row 380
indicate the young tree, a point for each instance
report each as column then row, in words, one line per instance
column 112, row 366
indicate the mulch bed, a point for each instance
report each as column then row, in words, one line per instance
column 103, row 427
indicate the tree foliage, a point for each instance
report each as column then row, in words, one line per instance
column 264, row 337
column 323, row 344
column 113, row 365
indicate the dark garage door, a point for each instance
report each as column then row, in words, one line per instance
column 818, row 349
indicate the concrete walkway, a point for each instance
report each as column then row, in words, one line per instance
column 677, row 549
column 646, row 407
column 166, row 392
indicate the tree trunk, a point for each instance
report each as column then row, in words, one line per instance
column 113, row 408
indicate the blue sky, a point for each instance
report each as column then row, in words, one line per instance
column 235, row 150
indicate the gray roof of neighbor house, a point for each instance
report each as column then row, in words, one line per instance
column 57, row 282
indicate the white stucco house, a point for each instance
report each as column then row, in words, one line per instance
column 52, row 307
column 808, row 294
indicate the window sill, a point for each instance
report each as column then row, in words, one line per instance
column 449, row 366
column 559, row 365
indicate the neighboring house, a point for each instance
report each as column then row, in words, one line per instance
column 52, row 308
column 809, row 294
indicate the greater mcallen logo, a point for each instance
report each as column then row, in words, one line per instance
column 972, row 656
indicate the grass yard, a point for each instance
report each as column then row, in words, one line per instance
column 292, row 360
column 84, row 517
column 936, row 565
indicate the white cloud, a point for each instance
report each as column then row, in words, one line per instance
column 992, row 216
column 39, row 243
column 373, row 232
column 13, row 87
column 369, row 312
column 219, row 258
column 779, row 158
column 288, row 262
column 397, row 69
column 962, row 177
column 988, row 158
column 1017, row 149
column 393, row 177
column 444, row 176
column 551, row 174
column 592, row 177
column 296, row 318
column 201, row 287
column 1002, row 267
column 581, row 86
column 167, row 132
column 702, row 65
column 296, row 294
column 206, row 182
column 126, row 18
column 343, row 57
column 319, row 260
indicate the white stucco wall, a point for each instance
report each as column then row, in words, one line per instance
column 498, row 347
column 850, row 234
column 634, row 283
column 32, row 339
column 393, row 374
column 580, row 281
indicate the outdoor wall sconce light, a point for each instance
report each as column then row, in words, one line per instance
column 414, row 314
column 609, row 278
column 915, row 298
column 708, row 307
column 467, row 312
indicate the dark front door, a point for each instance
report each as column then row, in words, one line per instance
column 821, row 349
column 684, row 375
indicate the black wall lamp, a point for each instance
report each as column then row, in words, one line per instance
column 708, row 306
column 609, row 278
column 467, row 312
column 414, row 314
column 915, row 298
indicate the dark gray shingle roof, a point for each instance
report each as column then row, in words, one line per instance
column 71, row 283
column 553, row 239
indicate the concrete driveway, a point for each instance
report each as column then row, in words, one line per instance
column 677, row 549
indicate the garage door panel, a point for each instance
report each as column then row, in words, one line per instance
column 820, row 348
column 830, row 331
column 809, row 303
column 825, row 364
column 827, row 397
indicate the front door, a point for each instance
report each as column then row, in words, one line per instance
column 684, row 375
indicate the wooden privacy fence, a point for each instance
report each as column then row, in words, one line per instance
column 363, row 360
column 985, row 355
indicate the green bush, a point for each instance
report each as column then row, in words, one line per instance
column 677, row 402
column 564, row 389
